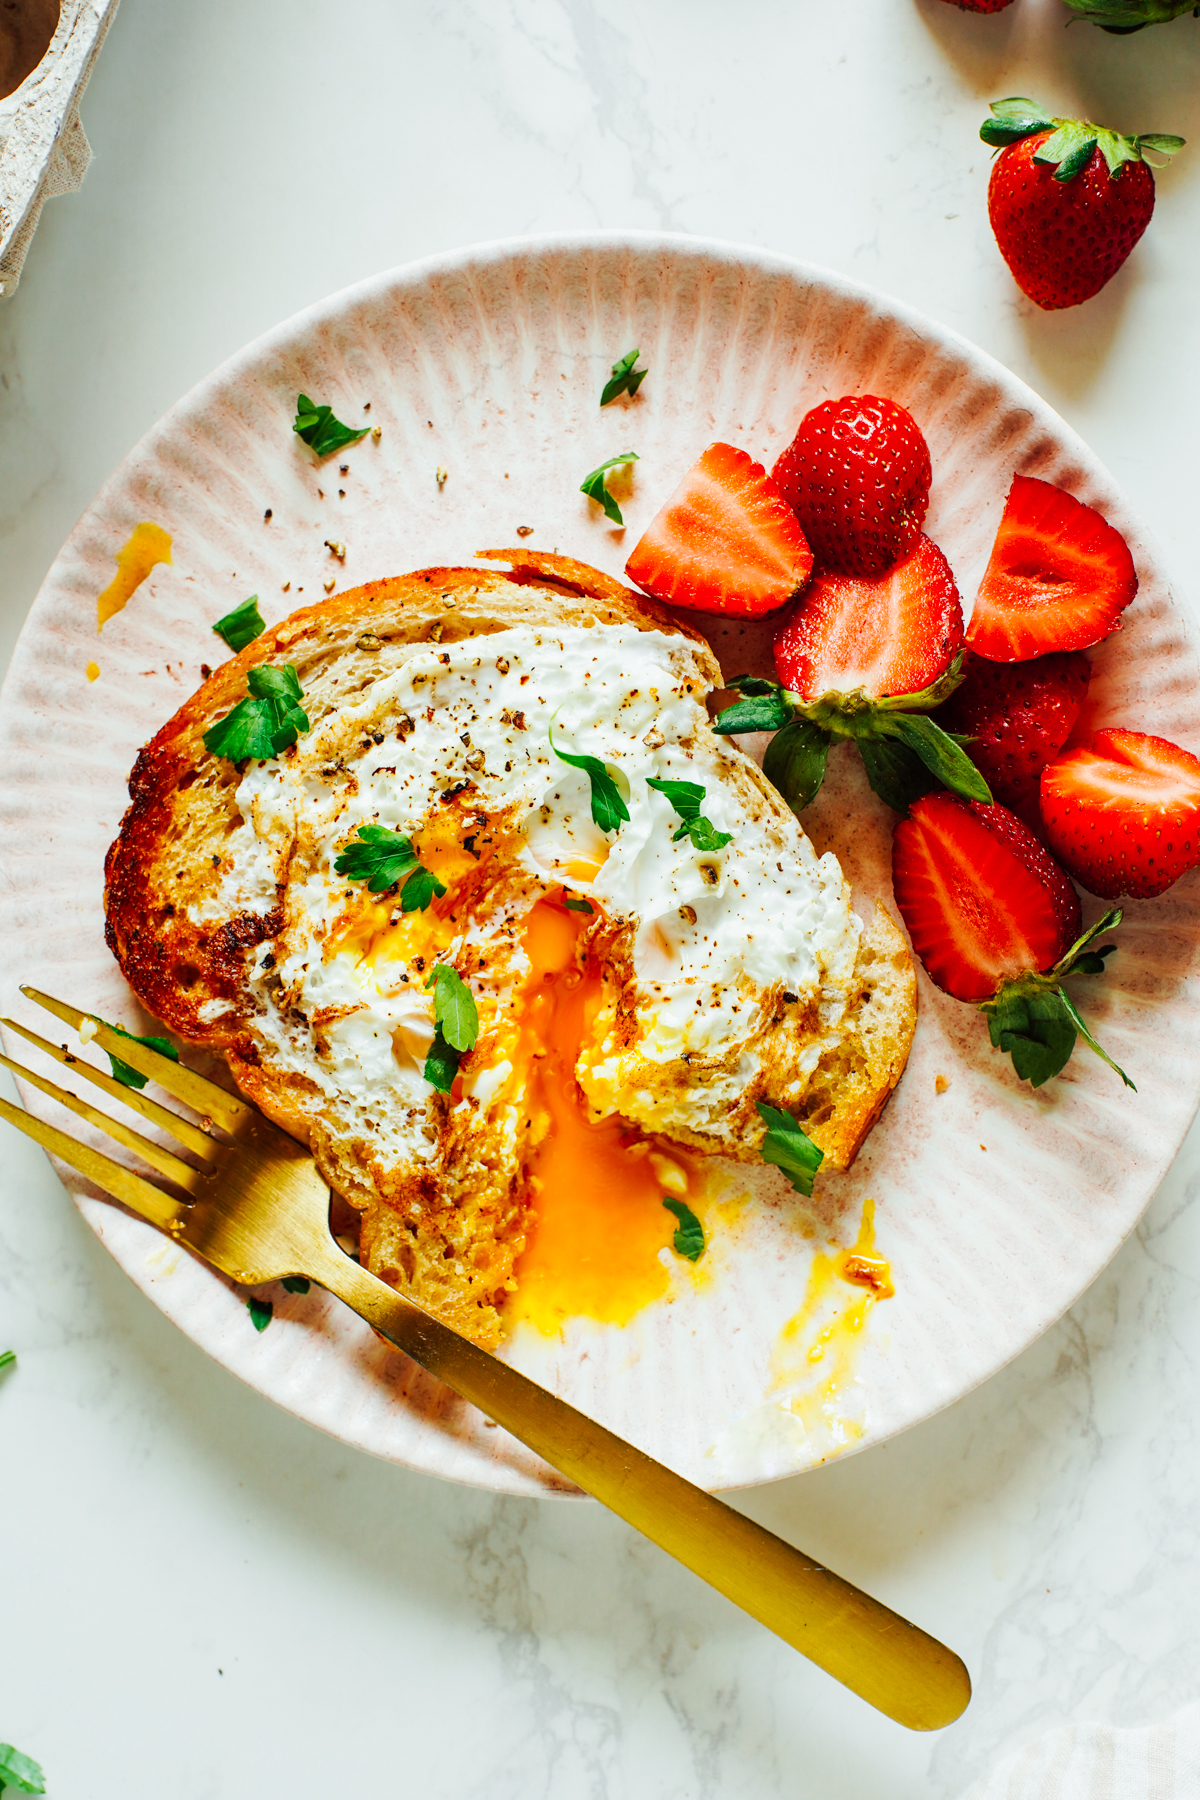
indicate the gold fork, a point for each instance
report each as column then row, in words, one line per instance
column 258, row 1210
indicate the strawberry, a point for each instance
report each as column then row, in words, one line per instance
column 981, row 6
column 891, row 634
column 996, row 921
column 864, row 659
column 1058, row 579
column 725, row 542
column 857, row 474
column 1067, row 200
column 1123, row 813
column 1017, row 716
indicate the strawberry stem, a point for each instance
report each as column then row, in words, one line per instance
column 1032, row 1019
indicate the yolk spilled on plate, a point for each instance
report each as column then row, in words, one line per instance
column 598, row 1187
column 815, row 1354
column 148, row 544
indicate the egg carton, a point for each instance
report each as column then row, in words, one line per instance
column 43, row 147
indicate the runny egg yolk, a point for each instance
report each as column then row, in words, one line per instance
column 598, row 1188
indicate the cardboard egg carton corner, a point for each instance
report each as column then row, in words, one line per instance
column 43, row 148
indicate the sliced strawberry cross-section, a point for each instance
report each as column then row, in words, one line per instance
column 996, row 921
column 726, row 541
column 982, row 900
column 887, row 634
column 1123, row 813
column 1059, row 577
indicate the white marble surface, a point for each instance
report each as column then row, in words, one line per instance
column 204, row 1599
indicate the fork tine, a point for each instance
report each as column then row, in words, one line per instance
column 203, row 1096
column 163, row 1160
column 142, row 1196
column 190, row 1136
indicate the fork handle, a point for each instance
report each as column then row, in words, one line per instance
column 891, row 1663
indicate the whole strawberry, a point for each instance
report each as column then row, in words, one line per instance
column 857, row 476
column 1017, row 716
column 981, row 6
column 1067, row 200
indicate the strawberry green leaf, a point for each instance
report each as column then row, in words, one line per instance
column 796, row 760
column 241, row 626
column 609, row 810
column 895, row 772
column 266, row 722
column 320, row 430
column 8, row 1359
column 689, row 1237
column 454, row 1010
column 1120, row 17
column 596, row 488
column 1013, row 119
column 1034, row 1020
column 789, row 1148
column 941, row 754
column 767, row 709
column 121, row 1070
column 1161, row 142
column 20, row 1772
column 261, row 1312
column 625, row 378
column 296, row 1284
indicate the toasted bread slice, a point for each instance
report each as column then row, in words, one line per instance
column 447, row 1229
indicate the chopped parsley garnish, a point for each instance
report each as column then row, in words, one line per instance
column 319, row 429
column 689, row 1237
column 687, row 797
column 121, row 1070
column 296, row 1284
column 789, row 1149
column 596, row 488
column 609, row 810
column 381, row 858
column 457, row 1026
column 579, row 906
column 261, row 1312
column 266, row 722
column 7, row 1358
column 625, row 378
column 241, row 626
column 20, row 1773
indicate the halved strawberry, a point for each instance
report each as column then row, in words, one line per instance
column 1123, row 812
column 893, row 634
column 725, row 542
column 1059, row 577
column 1017, row 715
column 857, row 473
column 982, row 900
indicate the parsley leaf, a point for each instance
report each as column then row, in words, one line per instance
column 687, row 797
column 787, row 1146
column 7, row 1359
column 457, row 1026
column 296, row 1284
column 241, row 626
column 266, row 722
column 579, row 906
column 596, row 488
column 20, row 1772
column 121, row 1070
column 625, row 378
column 689, row 1238
column 319, row 429
column 381, row 858
column 609, row 810
column 261, row 1312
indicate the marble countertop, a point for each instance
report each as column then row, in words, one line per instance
column 204, row 1598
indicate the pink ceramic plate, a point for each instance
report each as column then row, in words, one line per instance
column 995, row 1205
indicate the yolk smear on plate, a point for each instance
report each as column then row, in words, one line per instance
column 148, row 544
column 595, row 1248
column 93, row 671
column 816, row 1351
